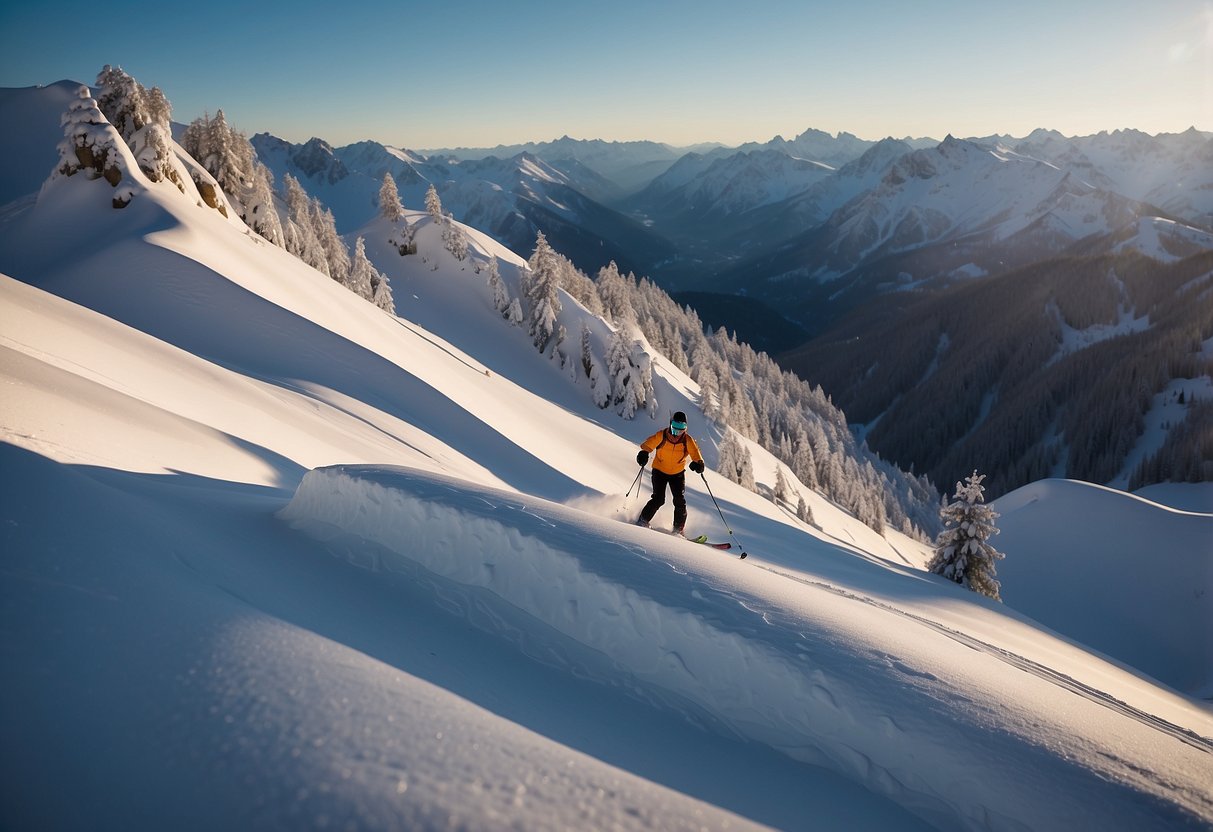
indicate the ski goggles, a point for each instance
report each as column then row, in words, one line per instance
column 677, row 427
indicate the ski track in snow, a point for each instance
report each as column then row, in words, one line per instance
column 682, row 645
column 1037, row 669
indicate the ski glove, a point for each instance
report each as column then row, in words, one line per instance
column 697, row 466
column 642, row 458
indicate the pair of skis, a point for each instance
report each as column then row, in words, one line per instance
column 702, row 540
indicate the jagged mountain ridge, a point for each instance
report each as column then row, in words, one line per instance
column 962, row 209
column 713, row 198
column 629, row 165
column 511, row 199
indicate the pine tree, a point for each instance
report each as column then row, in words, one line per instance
column 735, row 461
column 619, row 366
column 615, row 292
column 336, row 254
column 783, row 491
column 260, row 212
column 587, row 350
column 142, row 117
column 454, row 239
column 645, row 393
column 541, row 291
column 745, row 471
column 600, row 387
column 227, row 155
column 962, row 551
column 90, row 142
column 804, row 512
column 501, row 295
column 804, row 465
column 515, row 315
column 362, row 272
column 300, row 231
column 389, row 199
column 433, row 204
column 381, row 293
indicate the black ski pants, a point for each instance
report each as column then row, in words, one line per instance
column 678, row 485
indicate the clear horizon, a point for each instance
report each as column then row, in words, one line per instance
column 479, row 74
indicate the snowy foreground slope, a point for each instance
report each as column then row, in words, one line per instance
column 276, row 559
column 1166, row 554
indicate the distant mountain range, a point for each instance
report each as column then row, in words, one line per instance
column 857, row 259
column 509, row 198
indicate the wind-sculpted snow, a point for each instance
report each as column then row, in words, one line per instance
column 825, row 676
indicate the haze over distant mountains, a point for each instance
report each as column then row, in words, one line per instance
column 869, row 250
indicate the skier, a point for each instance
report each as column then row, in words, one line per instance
column 673, row 446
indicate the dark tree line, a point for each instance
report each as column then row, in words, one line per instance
column 1014, row 374
column 1185, row 456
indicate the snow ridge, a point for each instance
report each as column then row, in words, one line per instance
column 684, row 644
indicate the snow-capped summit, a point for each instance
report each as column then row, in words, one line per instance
column 510, row 198
column 961, row 189
column 713, row 196
column 1171, row 171
column 275, row 557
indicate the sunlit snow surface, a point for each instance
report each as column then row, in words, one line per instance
column 275, row 559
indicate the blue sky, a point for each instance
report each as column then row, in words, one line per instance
column 461, row 72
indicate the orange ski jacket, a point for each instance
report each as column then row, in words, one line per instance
column 672, row 453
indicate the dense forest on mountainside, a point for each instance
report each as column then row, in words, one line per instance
column 1056, row 383
column 750, row 319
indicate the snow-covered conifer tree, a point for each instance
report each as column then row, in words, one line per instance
column 600, row 387
column 142, row 117
column 260, row 212
column 619, row 366
column 389, row 199
column 89, row 141
column 615, row 292
column 587, row 350
column 335, row 252
column 804, row 465
column 515, row 315
column 745, row 471
column 804, row 512
column 454, row 239
column 433, row 204
column 501, row 295
column 783, row 491
column 735, row 461
column 645, row 393
column 381, row 292
column 361, row 272
column 962, row 550
column 300, row 231
column 542, row 295
column 228, row 156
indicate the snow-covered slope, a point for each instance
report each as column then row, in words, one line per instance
column 509, row 198
column 961, row 189
column 630, row 165
column 466, row 635
column 1173, row 171
column 30, row 151
column 727, row 188
column 1075, row 551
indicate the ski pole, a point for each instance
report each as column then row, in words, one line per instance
column 635, row 484
column 744, row 553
